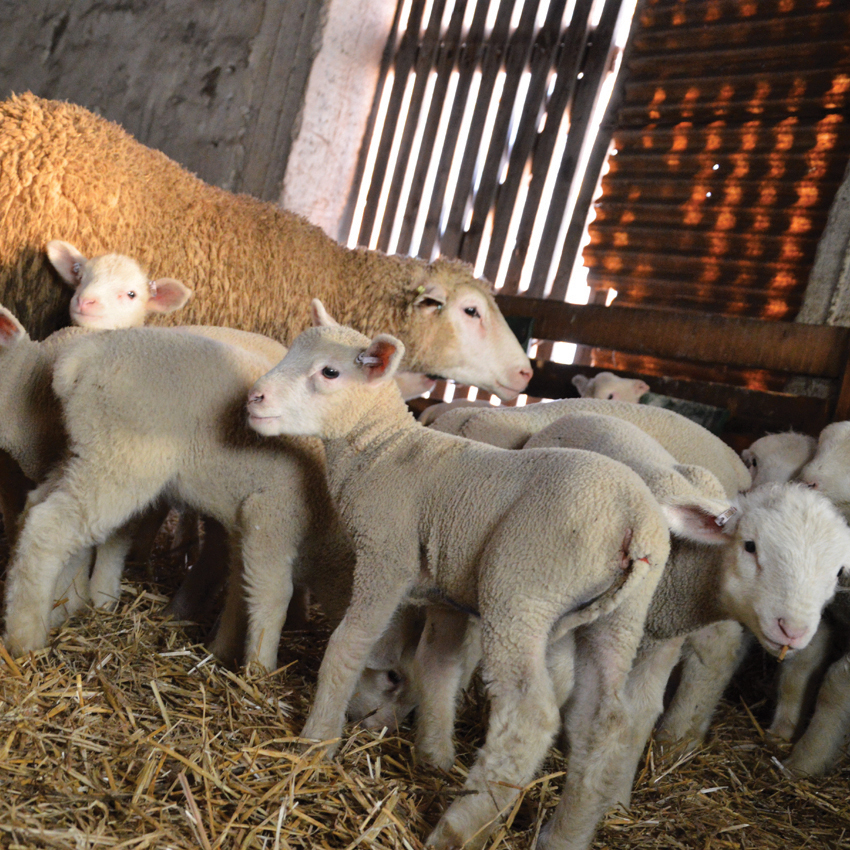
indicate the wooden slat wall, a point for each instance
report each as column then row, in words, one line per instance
column 732, row 137
column 547, row 71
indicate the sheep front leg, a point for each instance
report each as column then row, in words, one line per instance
column 798, row 675
column 438, row 669
column 820, row 744
column 523, row 721
column 375, row 598
column 53, row 531
column 72, row 587
column 709, row 660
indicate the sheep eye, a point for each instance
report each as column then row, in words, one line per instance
column 610, row 396
column 472, row 311
column 131, row 294
column 330, row 373
column 393, row 678
column 750, row 546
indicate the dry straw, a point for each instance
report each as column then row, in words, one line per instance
column 126, row 734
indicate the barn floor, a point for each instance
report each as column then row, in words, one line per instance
column 126, row 734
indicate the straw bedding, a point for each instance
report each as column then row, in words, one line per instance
column 126, row 734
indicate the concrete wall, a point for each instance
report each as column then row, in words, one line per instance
column 218, row 86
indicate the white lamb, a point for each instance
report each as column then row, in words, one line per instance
column 610, row 386
column 112, row 291
column 800, row 543
column 152, row 413
column 540, row 545
column 828, row 731
column 778, row 457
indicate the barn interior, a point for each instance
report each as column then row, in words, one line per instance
column 656, row 188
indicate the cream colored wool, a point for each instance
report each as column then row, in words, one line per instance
column 69, row 174
column 542, row 544
column 153, row 412
column 688, row 442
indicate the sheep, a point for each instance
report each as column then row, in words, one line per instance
column 822, row 740
column 778, row 457
column 157, row 412
column 70, row 174
column 610, row 386
column 514, row 537
column 801, row 543
column 111, row 291
column 688, row 442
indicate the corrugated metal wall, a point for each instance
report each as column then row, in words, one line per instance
column 732, row 138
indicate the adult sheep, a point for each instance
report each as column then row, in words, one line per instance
column 69, row 174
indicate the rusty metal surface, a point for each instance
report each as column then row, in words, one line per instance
column 732, row 138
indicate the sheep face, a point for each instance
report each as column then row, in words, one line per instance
column 827, row 472
column 323, row 383
column 112, row 291
column 778, row 457
column 457, row 316
column 612, row 387
column 787, row 547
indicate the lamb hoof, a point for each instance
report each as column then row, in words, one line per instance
column 782, row 729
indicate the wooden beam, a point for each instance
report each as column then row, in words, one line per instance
column 813, row 350
column 753, row 412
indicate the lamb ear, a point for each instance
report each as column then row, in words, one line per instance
column 381, row 359
column 320, row 316
column 67, row 261
column 694, row 522
column 431, row 297
column 11, row 330
column 167, row 295
column 580, row 382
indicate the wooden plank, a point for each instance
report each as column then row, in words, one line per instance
column 465, row 50
column 751, row 411
column 815, row 350
column 491, row 62
column 595, row 68
column 538, row 63
column 564, row 52
column 489, row 197
column 424, row 60
column 402, row 64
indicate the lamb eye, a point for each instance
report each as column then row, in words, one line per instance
column 131, row 294
column 393, row 678
column 750, row 546
column 754, row 463
column 330, row 373
column 472, row 311
column 610, row 396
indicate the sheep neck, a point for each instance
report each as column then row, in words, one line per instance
column 379, row 432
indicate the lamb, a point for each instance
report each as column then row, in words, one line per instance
column 818, row 748
column 72, row 175
column 462, row 527
column 112, row 291
column 688, row 442
column 778, row 457
column 610, row 386
column 157, row 412
column 801, row 544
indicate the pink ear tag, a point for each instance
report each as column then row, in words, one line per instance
column 722, row 519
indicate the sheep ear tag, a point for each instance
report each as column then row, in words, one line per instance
column 380, row 360
column 431, row 297
column 167, row 295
